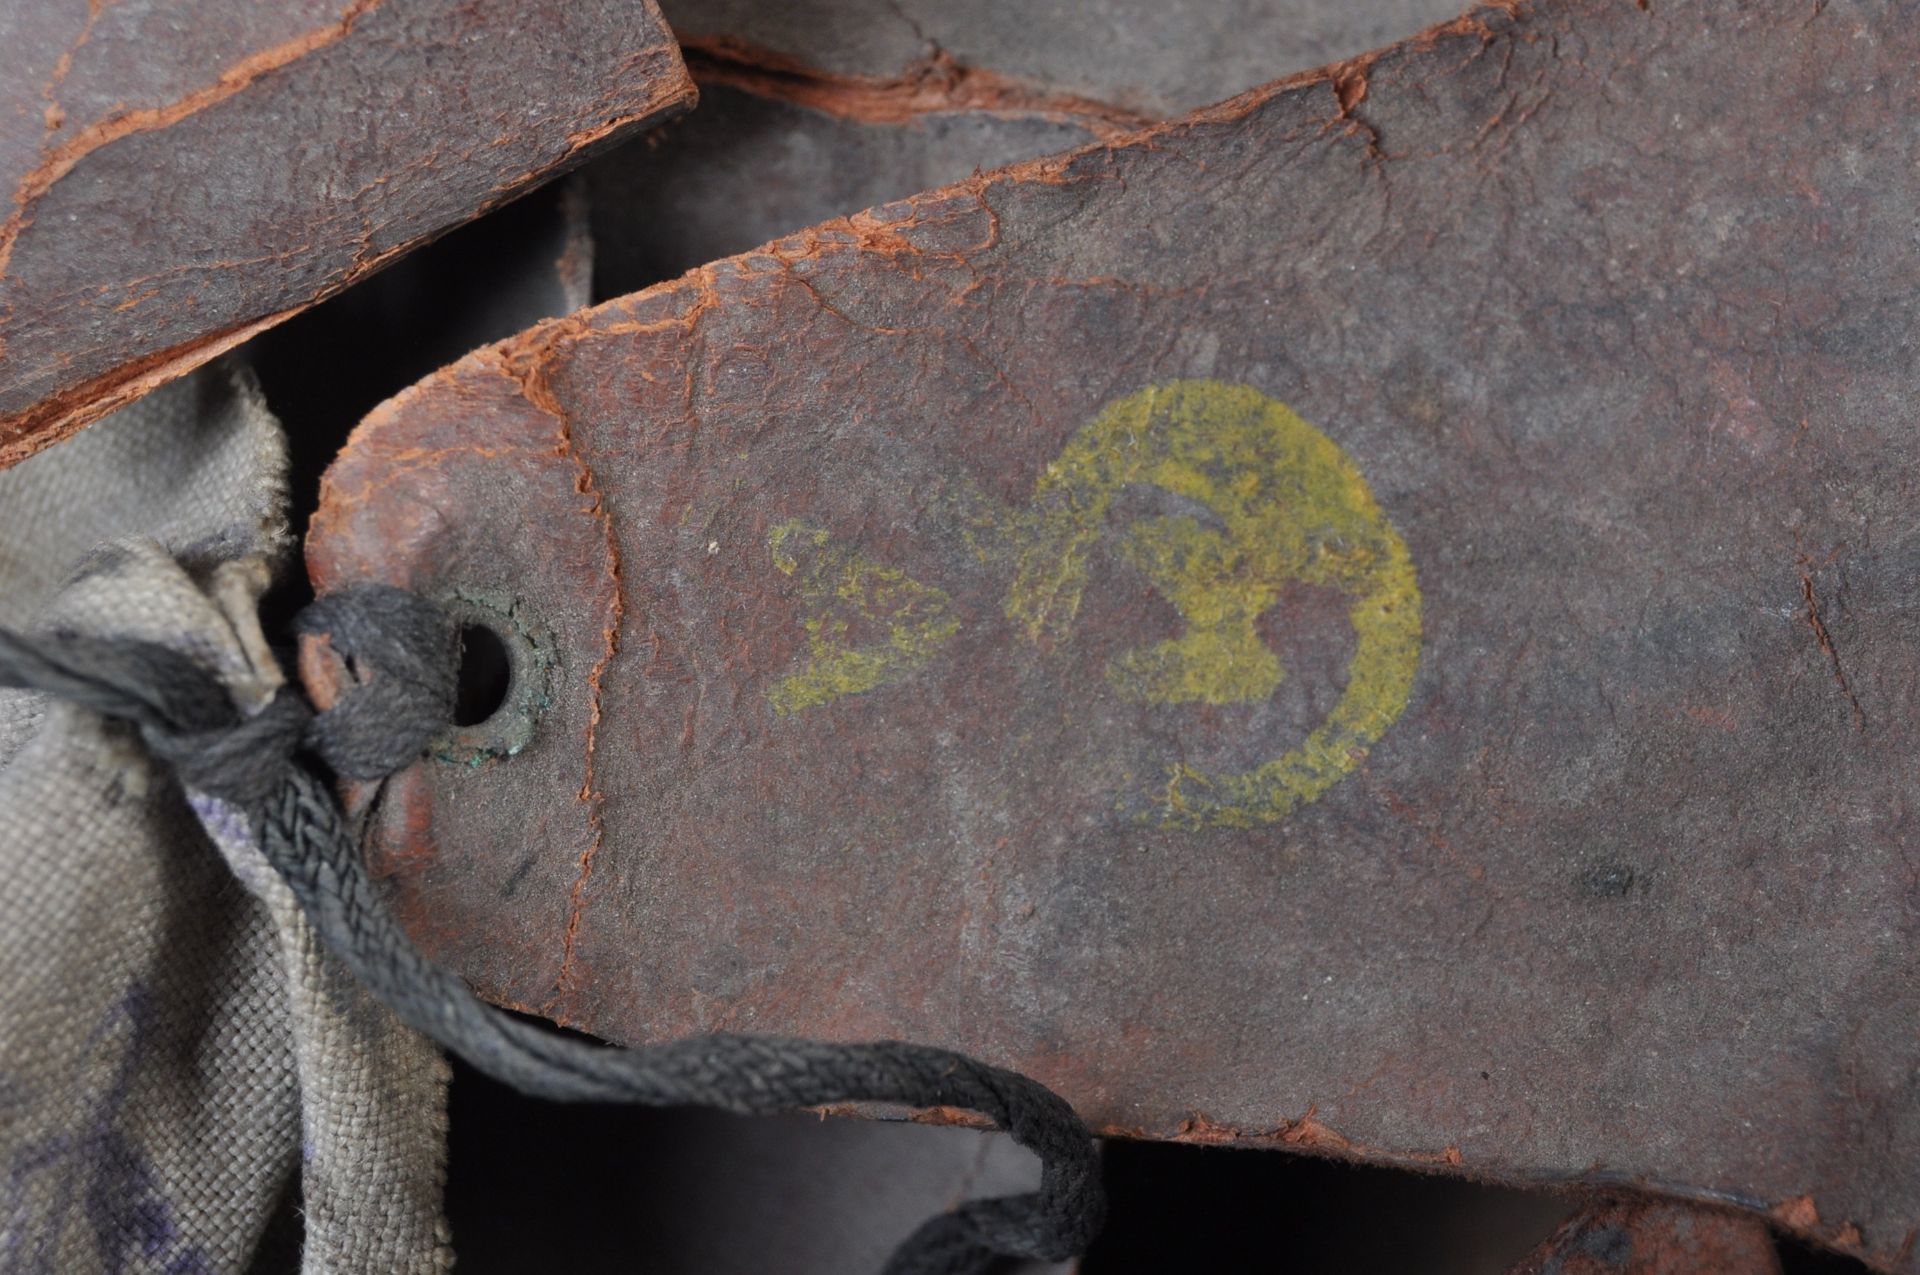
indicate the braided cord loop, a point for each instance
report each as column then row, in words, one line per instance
column 187, row 719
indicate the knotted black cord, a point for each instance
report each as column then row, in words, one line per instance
column 406, row 645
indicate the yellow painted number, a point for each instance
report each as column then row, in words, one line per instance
column 1282, row 503
column 1290, row 505
column 842, row 588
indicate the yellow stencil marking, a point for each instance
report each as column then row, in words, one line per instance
column 1289, row 505
column 842, row 587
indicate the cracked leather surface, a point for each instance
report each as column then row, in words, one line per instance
column 183, row 174
column 1608, row 306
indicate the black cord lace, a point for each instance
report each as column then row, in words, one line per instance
column 406, row 648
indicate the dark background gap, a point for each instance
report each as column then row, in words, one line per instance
column 690, row 1192
column 685, row 1192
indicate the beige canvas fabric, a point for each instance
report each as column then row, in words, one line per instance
column 176, row 1054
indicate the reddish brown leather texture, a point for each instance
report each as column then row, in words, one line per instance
column 1642, row 1238
column 1606, row 308
column 184, row 174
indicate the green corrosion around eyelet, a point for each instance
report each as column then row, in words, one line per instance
column 530, row 656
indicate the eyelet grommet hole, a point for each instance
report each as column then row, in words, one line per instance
column 485, row 676
column 503, row 682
